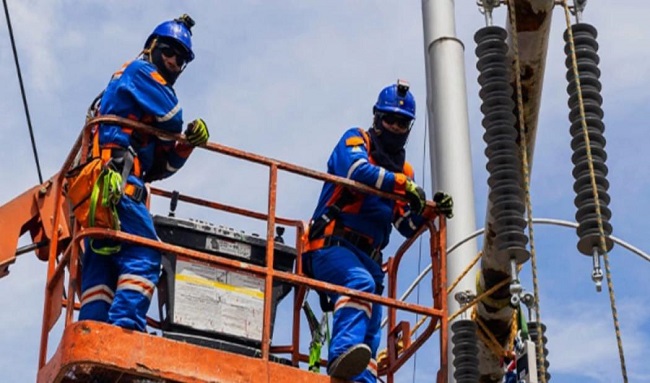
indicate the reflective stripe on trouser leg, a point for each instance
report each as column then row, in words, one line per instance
column 139, row 269
column 372, row 339
column 340, row 265
column 98, row 283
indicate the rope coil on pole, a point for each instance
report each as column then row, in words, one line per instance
column 464, row 273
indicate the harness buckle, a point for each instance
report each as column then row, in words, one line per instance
column 135, row 192
column 348, row 238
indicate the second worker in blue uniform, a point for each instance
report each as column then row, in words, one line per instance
column 349, row 229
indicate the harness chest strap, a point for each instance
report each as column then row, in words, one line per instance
column 400, row 178
column 107, row 152
column 136, row 192
column 341, row 200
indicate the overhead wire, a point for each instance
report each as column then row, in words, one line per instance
column 22, row 91
column 540, row 221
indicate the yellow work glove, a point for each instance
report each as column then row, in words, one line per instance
column 197, row 132
column 416, row 197
column 444, row 204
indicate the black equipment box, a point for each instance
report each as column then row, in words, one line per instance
column 209, row 304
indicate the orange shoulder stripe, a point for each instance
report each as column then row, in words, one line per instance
column 354, row 141
column 158, row 77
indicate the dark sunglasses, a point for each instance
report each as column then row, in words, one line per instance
column 402, row 122
column 170, row 51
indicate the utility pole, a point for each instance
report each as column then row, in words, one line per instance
column 451, row 163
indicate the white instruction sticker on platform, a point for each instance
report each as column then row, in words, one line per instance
column 212, row 299
column 238, row 249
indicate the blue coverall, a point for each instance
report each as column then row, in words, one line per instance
column 117, row 288
column 357, row 321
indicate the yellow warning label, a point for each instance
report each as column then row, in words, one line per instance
column 223, row 286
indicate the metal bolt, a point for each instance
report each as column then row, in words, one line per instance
column 597, row 272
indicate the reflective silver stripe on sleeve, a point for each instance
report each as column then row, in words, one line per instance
column 169, row 115
column 171, row 168
column 380, row 179
column 355, row 165
column 398, row 223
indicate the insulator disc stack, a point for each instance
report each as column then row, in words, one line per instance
column 465, row 351
column 534, row 334
column 504, row 161
column 586, row 47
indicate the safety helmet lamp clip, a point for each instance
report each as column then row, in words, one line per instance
column 396, row 99
column 402, row 88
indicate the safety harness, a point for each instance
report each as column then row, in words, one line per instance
column 117, row 157
column 124, row 160
column 328, row 230
column 109, row 187
column 96, row 187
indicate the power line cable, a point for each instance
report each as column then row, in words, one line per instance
column 22, row 91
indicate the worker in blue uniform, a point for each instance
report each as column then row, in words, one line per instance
column 349, row 229
column 117, row 285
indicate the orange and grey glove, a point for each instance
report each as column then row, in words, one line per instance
column 444, row 204
column 197, row 132
column 415, row 196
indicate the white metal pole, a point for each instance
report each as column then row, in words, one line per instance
column 451, row 164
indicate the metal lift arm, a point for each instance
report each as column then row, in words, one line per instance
column 31, row 211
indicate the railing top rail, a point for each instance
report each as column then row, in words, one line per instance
column 233, row 152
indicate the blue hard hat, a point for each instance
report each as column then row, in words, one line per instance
column 396, row 98
column 178, row 30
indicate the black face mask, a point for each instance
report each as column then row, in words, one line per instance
column 158, row 61
column 393, row 143
column 387, row 148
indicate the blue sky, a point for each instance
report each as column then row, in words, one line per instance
column 285, row 80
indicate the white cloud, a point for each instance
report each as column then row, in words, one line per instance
column 582, row 340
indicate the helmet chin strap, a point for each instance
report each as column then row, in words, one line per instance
column 146, row 52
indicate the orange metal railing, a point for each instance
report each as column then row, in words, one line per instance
column 69, row 259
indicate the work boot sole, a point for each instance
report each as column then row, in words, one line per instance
column 351, row 363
